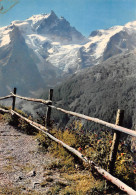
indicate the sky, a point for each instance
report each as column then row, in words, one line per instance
column 85, row 15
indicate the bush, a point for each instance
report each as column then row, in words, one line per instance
column 99, row 148
column 124, row 168
column 95, row 146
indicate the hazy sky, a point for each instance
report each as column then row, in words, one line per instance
column 85, row 15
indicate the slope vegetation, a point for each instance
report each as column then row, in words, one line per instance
column 100, row 90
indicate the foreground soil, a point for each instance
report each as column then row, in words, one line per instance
column 23, row 168
column 26, row 169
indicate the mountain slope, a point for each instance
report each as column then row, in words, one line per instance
column 59, row 29
column 50, row 49
column 17, row 67
column 25, row 47
column 55, row 42
column 100, row 90
column 104, row 44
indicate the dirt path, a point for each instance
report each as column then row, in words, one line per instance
column 22, row 166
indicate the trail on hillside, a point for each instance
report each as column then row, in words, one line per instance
column 22, row 165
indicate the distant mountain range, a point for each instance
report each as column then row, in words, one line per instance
column 42, row 50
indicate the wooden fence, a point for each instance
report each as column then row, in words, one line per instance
column 115, row 142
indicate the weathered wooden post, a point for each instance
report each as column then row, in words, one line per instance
column 14, row 99
column 48, row 113
column 115, row 141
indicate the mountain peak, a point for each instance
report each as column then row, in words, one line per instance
column 40, row 17
column 59, row 29
column 53, row 13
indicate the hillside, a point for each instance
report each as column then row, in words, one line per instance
column 100, row 90
column 44, row 167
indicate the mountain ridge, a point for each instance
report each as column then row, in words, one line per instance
column 59, row 50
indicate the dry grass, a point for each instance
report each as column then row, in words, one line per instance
column 26, row 168
column 8, row 168
column 10, row 158
column 78, row 183
column 10, row 190
column 82, row 183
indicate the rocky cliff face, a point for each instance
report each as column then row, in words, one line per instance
column 59, row 29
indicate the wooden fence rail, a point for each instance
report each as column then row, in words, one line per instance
column 31, row 99
column 101, row 171
column 96, row 120
column 39, row 127
column 6, row 97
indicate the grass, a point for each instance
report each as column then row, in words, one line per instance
column 26, row 168
column 56, row 164
column 10, row 190
column 5, row 190
column 82, row 183
column 96, row 147
column 8, row 168
column 18, row 122
column 78, row 183
column 10, row 158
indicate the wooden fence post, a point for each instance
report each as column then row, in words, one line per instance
column 115, row 141
column 14, row 99
column 48, row 113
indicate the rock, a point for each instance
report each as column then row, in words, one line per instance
column 43, row 184
column 62, row 183
column 20, row 178
column 49, row 179
column 35, row 184
column 31, row 174
column 47, row 173
column 23, row 188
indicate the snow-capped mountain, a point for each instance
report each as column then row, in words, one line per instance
column 45, row 47
column 18, row 65
column 25, row 47
column 104, row 44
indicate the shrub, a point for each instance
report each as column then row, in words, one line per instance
column 99, row 148
column 124, row 169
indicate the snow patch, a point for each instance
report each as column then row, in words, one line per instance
column 65, row 57
column 24, row 27
column 131, row 25
column 51, row 50
column 101, row 41
column 35, row 41
column 40, row 38
column 5, row 38
column 37, row 18
column 55, row 43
